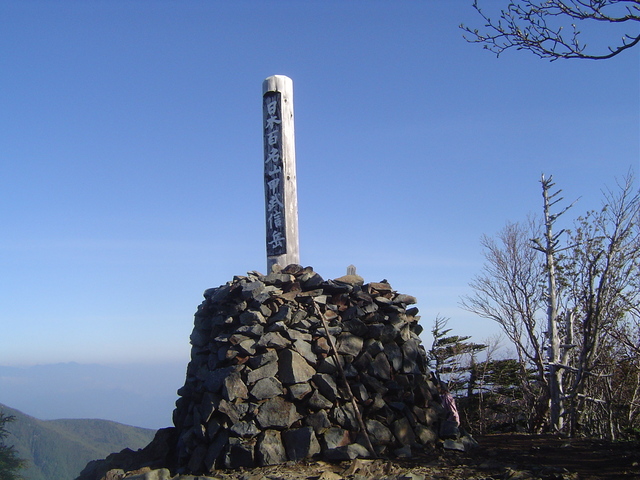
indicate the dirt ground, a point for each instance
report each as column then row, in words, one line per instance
column 589, row 459
column 503, row 456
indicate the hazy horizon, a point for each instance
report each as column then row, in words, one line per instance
column 133, row 394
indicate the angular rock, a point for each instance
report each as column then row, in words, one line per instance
column 277, row 413
column 411, row 355
column 284, row 314
column 273, row 340
column 321, row 346
column 425, row 435
column 326, row 386
column 360, row 392
column 266, row 388
column 298, row 391
column 247, row 346
column 258, row 361
column 394, row 355
column 278, row 278
column 197, row 458
column 245, row 429
column 199, row 338
column 403, row 431
column 252, row 289
column 449, row 429
column 349, row 344
column 234, row 388
column 268, row 370
column 252, row 317
column 230, row 410
column 379, row 434
column 350, row 279
column 318, row 402
column 403, row 452
column 300, row 443
column 336, row 437
column 241, row 453
column 450, row 444
column 345, row 416
column 319, row 421
column 347, row 452
column 293, row 368
column 305, row 349
column 380, row 367
column 270, row 449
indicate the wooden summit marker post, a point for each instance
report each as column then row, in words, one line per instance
column 281, row 195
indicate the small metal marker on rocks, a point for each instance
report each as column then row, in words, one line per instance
column 281, row 197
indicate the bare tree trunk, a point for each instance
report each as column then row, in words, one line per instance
column 555, row 372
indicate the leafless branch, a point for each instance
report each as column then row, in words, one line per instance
column 535, row 25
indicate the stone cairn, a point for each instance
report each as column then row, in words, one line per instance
column 265, row 385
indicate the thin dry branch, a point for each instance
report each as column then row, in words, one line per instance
column 524, row 25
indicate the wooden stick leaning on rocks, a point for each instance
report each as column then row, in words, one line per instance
column 352, row 398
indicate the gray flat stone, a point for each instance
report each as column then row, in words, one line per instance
column 273, row 340
column 394, row 355
column 277, row 413
column 293, row 368
column 262, row 359
column 453, row 445
column 300, row 443
column 336, row 437
column 266, row 371
column 378, row 433
column 266, row 388
column 349, row 344
column 380, row 367
column 270, row 449
column 425, row 435
column 347, row 452
column 318, row 402
column 245, row 429
column 345, row 416
column 326, row 386
column 403, row 431
column 319, row 421
column 160, row 474
column 234, row 388
column 305, row 349
column 298, row 391
column 241, row 453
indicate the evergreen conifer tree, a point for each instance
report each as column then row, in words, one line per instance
column 10, row 463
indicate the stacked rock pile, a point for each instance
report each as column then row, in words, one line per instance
column 264, row 385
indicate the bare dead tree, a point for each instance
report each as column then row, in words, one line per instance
column 550, row 28
column 602, row 272
column 585, row 349
column 557, row 351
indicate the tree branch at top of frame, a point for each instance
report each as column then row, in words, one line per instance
column 533, row 25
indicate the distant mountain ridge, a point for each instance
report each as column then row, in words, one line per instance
column 133, row 394
column 60, row 449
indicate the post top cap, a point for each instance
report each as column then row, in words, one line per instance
column 277, row 83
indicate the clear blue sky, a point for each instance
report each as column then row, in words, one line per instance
column 131, row 157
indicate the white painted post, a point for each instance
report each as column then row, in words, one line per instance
column 281, row 196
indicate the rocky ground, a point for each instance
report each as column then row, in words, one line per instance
column 503, row 456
